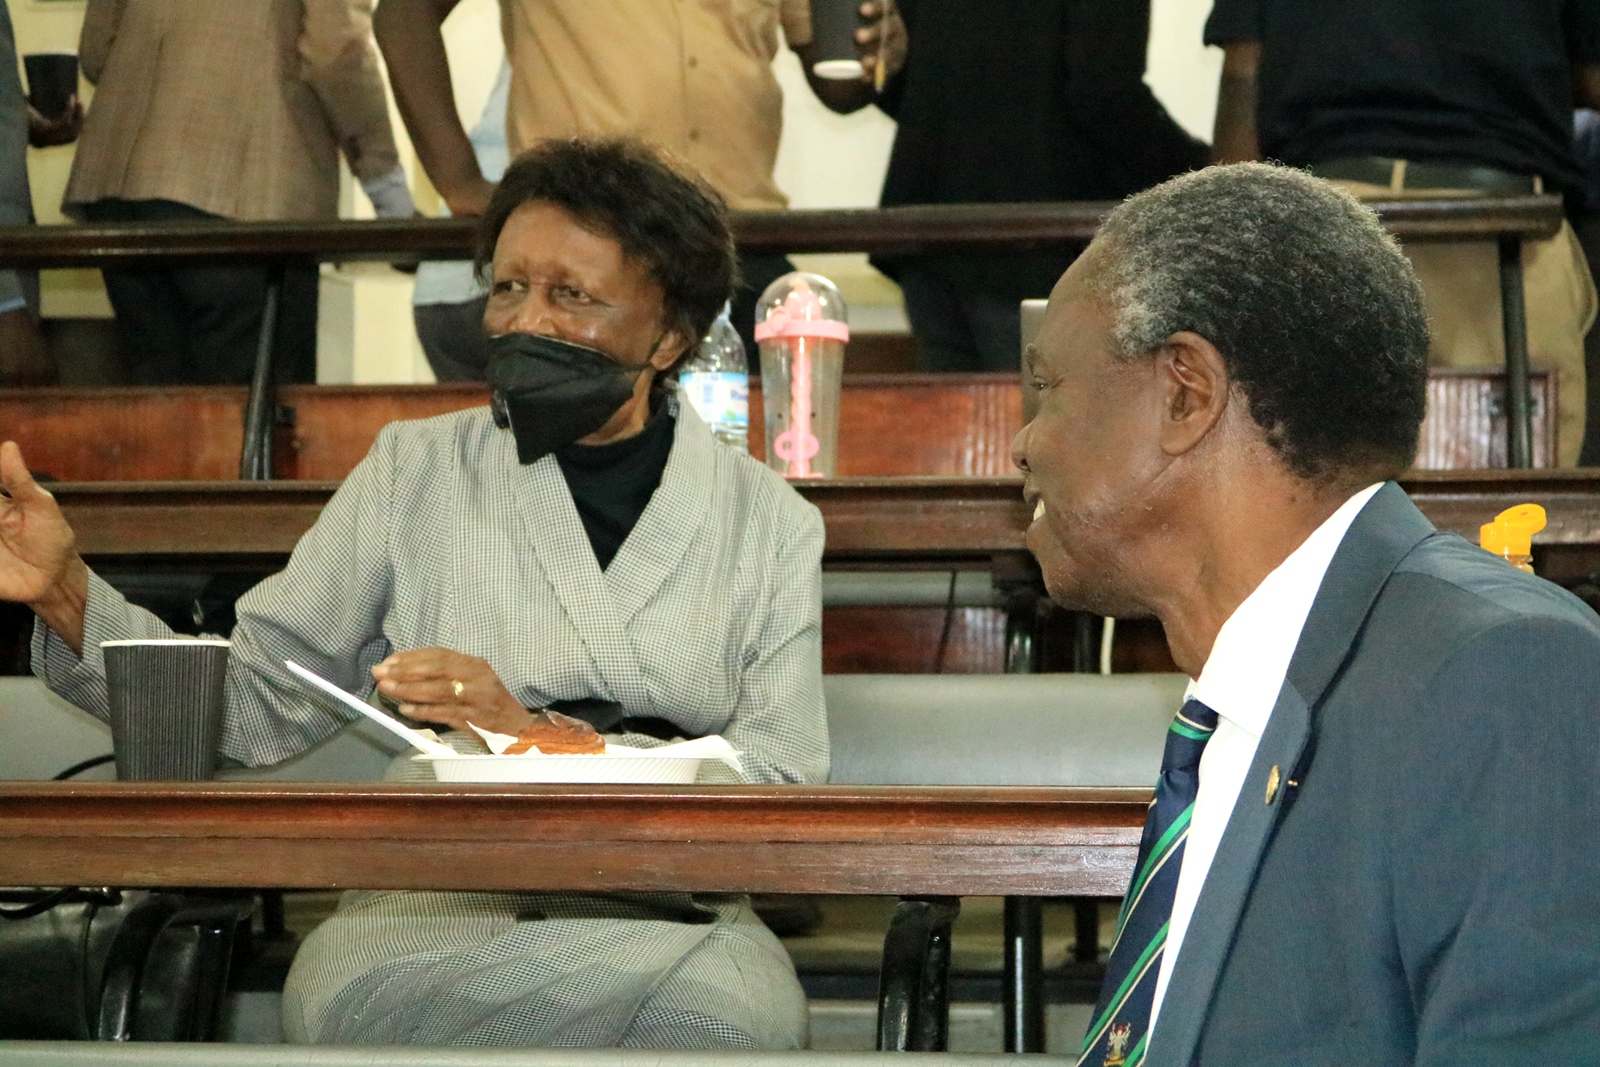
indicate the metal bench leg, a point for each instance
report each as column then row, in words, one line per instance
column 1514, row 320
column 1020, row 642
column 216, row 919
column 914, row 987
column 255, row 464
column 216, row 923
column 1086, row 930
column 124, row 967
column 1023, row 996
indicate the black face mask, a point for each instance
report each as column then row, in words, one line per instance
column 549, row 392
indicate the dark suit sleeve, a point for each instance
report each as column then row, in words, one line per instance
column 1496, row 851
column 1108, row 101
column 1232, row 21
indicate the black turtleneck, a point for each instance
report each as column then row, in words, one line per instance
column 612, row 484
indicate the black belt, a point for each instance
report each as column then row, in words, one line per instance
column 1427, row 174
column 606, row 716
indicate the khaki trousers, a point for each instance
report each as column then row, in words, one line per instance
column 1461, row 284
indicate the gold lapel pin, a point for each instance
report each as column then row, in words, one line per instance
column 1272, row 784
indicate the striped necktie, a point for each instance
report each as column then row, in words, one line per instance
column 1118, row 1035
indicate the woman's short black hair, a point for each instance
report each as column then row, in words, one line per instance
column 674, row 224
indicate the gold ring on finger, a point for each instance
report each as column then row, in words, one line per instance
column 459, row 687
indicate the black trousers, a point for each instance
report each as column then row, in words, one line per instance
column 958, row 328
column 1587, row 226
column 200, row 325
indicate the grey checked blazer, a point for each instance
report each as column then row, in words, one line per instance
column 710, row 615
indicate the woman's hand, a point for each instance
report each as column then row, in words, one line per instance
column 39, row 563
column 450, row 688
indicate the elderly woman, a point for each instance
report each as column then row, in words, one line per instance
column 588, row 545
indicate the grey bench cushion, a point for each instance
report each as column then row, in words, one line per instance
column 1000, row 729
column 156, row 1054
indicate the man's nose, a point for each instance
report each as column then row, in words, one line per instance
column 1019, row 447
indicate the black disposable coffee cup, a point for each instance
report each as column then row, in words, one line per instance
column 833, row 39
column 166, row 707
column 52, row 81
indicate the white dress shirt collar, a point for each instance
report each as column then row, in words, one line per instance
column 1240, row 682
column 1250, row 658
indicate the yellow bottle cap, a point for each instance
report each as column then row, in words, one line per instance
column 1511, row 532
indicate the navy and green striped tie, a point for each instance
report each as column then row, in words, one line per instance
column 1120, row 1030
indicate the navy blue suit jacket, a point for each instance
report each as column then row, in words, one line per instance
column 1424, row 885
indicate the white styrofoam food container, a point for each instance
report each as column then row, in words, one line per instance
column 647, row 768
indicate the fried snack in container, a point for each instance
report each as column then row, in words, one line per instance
column 555, row 734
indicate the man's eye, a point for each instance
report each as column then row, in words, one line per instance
column 570, row 294
column 508, row 285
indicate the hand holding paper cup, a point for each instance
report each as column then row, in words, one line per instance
column 52, row 82
column 835, row 55
column 166, row 707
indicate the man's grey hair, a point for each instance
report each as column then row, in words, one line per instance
column 1314, row 308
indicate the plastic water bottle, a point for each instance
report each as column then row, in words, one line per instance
column 716, row 380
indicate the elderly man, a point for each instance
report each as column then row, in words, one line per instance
column 1372, row 839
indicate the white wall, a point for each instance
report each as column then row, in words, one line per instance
column 1180, row 70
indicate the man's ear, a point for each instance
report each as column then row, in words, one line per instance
column 1195, row 387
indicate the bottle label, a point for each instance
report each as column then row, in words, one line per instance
column 721, row 398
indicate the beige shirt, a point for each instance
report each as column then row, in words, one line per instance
column 691, row 76
column 236, row 107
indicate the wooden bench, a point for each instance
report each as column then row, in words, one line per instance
column 953, row 425
column 913, row 229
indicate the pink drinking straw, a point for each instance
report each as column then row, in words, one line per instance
column 804, row 445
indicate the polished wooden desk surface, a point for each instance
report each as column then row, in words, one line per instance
column 870, row 517
column 802, row 839
column 866, row 518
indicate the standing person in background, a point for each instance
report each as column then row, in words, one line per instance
column 1419, row 98
column 1584, row 211
column 1016, row 100
column 692, row 78
column 24, row 359
column 208, row 109
column 449, row 298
